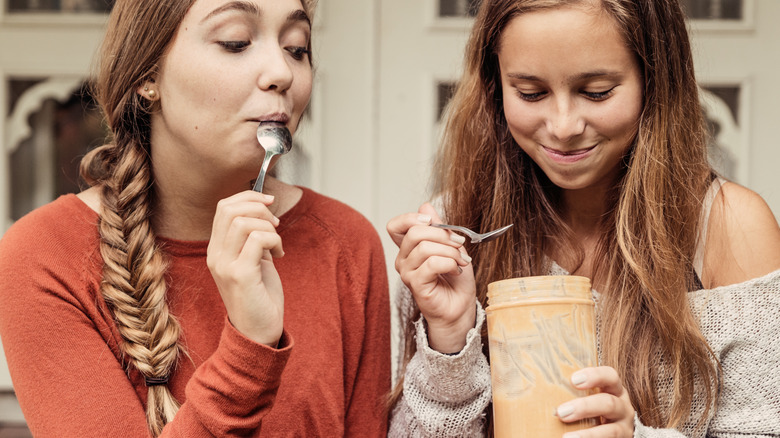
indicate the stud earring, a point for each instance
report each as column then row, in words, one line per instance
column 152, row 94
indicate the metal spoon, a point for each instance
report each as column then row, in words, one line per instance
column 276, row 140
column 475, row 237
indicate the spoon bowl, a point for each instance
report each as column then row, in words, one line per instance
column 276, row 140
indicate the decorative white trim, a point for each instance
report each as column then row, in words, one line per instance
column 733, row 137
column 18, row 128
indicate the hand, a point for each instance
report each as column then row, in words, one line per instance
column 243, row 242
column 434, row 265
column 612, row 404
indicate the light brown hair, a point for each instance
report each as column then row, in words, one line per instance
column 138, row 34
column 649, row 233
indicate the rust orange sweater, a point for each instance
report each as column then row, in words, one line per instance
column 328, row 377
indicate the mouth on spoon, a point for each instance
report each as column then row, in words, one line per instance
column 276, row 139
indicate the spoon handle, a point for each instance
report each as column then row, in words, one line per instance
column 261, row 177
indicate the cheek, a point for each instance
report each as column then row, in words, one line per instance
column 521, row 121
column 303, row 86
column 622, row 121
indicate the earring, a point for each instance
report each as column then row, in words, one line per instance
column 152, row 94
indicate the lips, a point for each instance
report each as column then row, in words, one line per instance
column 568, row 156
column 278, row 118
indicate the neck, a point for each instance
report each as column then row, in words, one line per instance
column 188, row 214
column 583, row 211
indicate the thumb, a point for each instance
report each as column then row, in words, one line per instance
column 428, row 210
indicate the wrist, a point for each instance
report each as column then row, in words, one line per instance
column 450, row 338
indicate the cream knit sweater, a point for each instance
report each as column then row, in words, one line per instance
column 446, row 396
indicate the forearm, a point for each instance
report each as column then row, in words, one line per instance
column 444, row 395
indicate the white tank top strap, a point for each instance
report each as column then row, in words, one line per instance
column 701, row 240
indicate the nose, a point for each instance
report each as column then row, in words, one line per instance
column 275, row 72
column 565, row 122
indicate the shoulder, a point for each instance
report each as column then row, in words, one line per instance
column 743, row 238
column 52, row 223
column 54, row 244
column 338, row 219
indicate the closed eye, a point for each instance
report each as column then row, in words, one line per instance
column 234, row 46
column 598, row 95
column 298, row 53
column 531, row 97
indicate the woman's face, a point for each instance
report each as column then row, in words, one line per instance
column 572, row 93
column 231, row 65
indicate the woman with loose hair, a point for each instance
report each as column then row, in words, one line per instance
column 169, row 299
column 579, row 122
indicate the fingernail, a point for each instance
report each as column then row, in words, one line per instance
column 276, row 221
column 457, row 238
column 424, row 218
column 465, row 258
column 268, row 198
column 578, row 378
column 564, row 411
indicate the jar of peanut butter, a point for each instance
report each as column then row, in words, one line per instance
column 540, row 331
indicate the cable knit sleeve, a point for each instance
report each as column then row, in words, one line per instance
column 444, row 395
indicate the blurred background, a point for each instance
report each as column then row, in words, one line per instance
column 384, row 72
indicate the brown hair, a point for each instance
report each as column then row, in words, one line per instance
column 137, row 37
column 649, row 232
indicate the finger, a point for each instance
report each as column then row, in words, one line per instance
column 593, row 406
column 240, row 230
column 407, row 262
column 248, row 203
column 428, row 273
column 427, row 211
column 605, row 378
column 604, row 430
column 427, row 249
column 398, row 226
column 258, row 246
column 418, row 234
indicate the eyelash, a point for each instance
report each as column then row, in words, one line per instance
column 298, row 53
column 597, row 96
column 234, row 46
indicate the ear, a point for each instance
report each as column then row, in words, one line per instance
column 148, row 90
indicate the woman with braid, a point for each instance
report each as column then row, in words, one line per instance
column 579, row 122
column 168, row 299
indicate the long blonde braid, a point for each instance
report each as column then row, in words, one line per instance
column 134, row 278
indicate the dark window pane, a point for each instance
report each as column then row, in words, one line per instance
column 60, row 5
column 458, row 8
column 713, row 9
column 45, row 165
column 444, row 92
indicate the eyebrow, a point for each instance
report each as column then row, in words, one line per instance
column 574, row 78
column 246, row 7
column 297, row 15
